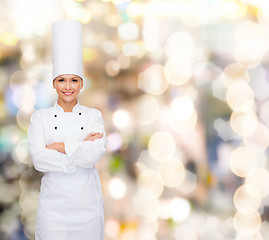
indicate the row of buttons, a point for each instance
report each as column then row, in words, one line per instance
column 56, row 116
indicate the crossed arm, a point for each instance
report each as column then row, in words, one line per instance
column 66, row 156
column 60, row 147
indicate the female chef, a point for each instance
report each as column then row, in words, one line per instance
column 65, row 142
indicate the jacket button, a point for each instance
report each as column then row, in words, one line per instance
column 55, row 115
column 81, row 128
column 79, row 113
column 55, row 128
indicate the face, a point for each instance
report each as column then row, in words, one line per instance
column 67, row 86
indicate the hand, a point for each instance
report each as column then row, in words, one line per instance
column 58, row 146
column 93, row 136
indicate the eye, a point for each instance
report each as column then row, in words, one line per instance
column 74, row 80
column 60, row 80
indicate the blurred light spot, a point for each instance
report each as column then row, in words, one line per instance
column 147, row 206
column 181, row 123
column 172, row 172
column 112, row 228
column 152, row 80
column 114, row 141
column 135, row 9
column 117, row 188
column 112, row 68
column 89, row 54
column 258, row 141
column 132, row 49
column 259, row 178
column 224, row 129
column 247, row 197
column 242, row 161
column 9, row 39
column 240, row 96
column 128, row 31
column 22, row 151
column 252, row 40
column 264, row 113
column 189, row 183
column 244, row 123
column 162, row 146
column 150, row 183
column 218, row 89
column 245, row 221
column 121, row 119
column 249, row 234
column 179, row 44
column 177, row 71
column 180, row 209
column 110, row 48
column 182, row 107
column 124, row 61
column 233, row 9
column 147, row 109
column 233, row 73
column 17, row 78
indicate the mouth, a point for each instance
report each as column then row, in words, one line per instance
column 68, row 93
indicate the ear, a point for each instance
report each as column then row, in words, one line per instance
column 53, row 83
column 81, row 86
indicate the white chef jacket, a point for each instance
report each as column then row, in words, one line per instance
column 70, row 203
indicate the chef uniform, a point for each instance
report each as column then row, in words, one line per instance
column 70, row 204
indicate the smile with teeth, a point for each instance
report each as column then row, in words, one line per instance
column 67, row 93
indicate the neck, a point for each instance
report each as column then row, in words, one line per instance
column 67, row 106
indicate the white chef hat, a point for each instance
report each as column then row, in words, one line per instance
column 67, row 48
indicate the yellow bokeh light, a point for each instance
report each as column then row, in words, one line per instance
column 242, row 161
column 152, row 80
column 9, row 39
column 247, row 197
column 184, row 125
column 250, row 220
column 179, row 44
column 232, row 73
column 249, row 234
column 172, row 172
column 89, row 54
column 240, row 96
column 177, row 71
column 233, row 9
column 258, row 141
column 162, row 146
column 135, row 9
column 259, row 178
column 244, row 123
column 149, row 182
column 146, row 206
column 147, row 109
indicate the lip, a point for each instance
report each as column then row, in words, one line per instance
column 68, row 93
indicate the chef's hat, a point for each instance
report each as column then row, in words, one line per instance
column 67, row 48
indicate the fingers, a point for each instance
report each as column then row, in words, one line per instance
column 93, row 136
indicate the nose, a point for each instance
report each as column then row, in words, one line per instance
column 67, row 86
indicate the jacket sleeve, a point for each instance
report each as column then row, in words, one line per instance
column 86, row 154
column 44, row 159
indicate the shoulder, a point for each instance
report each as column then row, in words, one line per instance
column 37, row 114
column 91, row 111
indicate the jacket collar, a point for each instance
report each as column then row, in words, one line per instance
column 59, row 108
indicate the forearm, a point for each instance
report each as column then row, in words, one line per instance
column 58, row 146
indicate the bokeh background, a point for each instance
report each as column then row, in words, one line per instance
column 183, row 86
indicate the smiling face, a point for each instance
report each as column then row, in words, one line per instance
column 67, row 86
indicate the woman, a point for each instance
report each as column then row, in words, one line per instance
column 65, row 142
